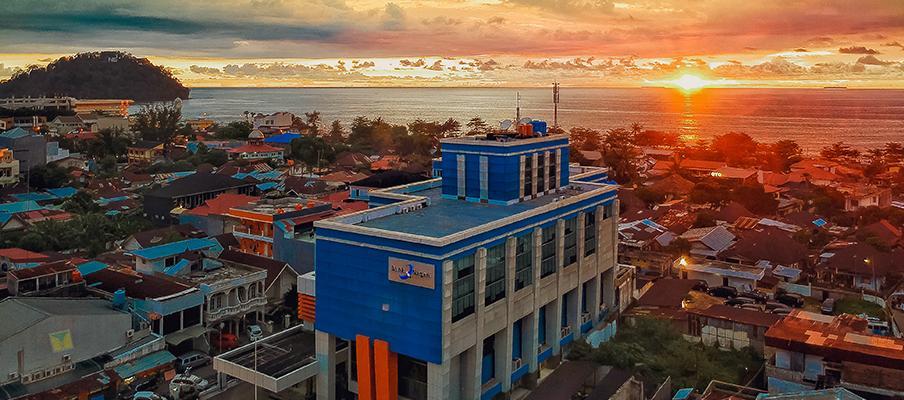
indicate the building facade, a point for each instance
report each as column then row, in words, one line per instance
column 462, row 287
column 9, row 168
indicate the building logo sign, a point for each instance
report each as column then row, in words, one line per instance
column 411, row 273
column 61, row 341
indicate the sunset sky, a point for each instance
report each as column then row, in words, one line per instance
column 811, row 43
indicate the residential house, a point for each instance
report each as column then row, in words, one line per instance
column 282, row 140
column 60, row 278
column 860, row 266
column 154, row 237
column 664, row 300
column 97, row 122
column 176, row 257
column 701, row 168
column 806, row 350
column 15, row 258
column 730, row 327
column 767, row 243
column 735, row 175
column 256, row 150
column 29, row 148
column 281, row 277
column 883, row 233
column 861, row 196
column 190, row 192
column 709, row 241
column 144, row 152
column 718, row 273
column 212, row 216
column 308, row 187
column 343, row 177
column 171, row 309
column 64, row 124
column 352, row 161
column 673, row 185
column 273, row 123
column 9, row 168
column 44, row 338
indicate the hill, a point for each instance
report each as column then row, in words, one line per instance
column 97, row 75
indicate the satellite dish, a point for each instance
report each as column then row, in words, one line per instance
column 505, row 125
column 525, row 120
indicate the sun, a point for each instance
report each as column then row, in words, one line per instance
column 689, row 83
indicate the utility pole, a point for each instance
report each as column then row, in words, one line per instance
column 517, row 110
column 555, row 104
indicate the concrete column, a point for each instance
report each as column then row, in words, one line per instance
column 579, row 235
column 534, row 174
column 325, row 350
column 558, row 156
column 560, row 290
column 532, row 351
column 481, row 266
column 439, row 385
column 503, row 346
column 545, row 171
column 510, row 248
column 521, row 177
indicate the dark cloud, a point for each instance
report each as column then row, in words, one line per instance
column 872, row 60
column 801, row 50
column 857, row 50
column 362, row 65
column 393, row 17
column 496, row 21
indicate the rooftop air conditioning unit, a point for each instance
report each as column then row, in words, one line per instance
column 13, row 375
column 130, row 333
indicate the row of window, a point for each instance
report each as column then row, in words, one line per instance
column 464, row 278
column 528, row 178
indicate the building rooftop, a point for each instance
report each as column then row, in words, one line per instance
column 739, row 315
column 196, row 184
column 669, row 293
column 727, row 269
column 174, row 248
column 442, row 217
column 136, row 285
column 224, row 272
column 271, row 207
column 273, row 267
column 20, row 313
column 839, row 338
column 221, row 204
column 17, row 254
column 43, row 269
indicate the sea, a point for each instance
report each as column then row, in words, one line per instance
column 862, row 118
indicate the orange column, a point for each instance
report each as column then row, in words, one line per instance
column 365, row 362
column 386, row 371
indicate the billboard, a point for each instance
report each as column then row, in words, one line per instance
column 412, row 273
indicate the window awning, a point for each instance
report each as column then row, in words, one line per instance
column 145, row 363
column 185, row 334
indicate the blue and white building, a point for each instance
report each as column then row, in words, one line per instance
column 462, row 287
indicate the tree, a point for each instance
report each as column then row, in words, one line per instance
column 109, row 142
column 313, row 122
column 737, row 149
column 783, row 154
column 840, row 152
column 337, row 132
column 586, row 139
column 755, row 199
column 711, row 193
column 235, row 130
column 158, row 122
column 477, row 126
column 312, row 151
column 47, row 176
column 620, row 154
column 81, row 202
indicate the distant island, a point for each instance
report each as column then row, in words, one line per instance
column 97, row 75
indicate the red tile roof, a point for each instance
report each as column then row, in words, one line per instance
column 19, row 255
column 341, row 203
column 221, row 204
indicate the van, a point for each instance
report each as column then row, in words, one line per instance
column 828, row 306
column 192, row 359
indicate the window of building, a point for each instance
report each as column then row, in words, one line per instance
column 412, row 378
column 548, row 252
column 353, row 360
column 589, row 233
column 495, row 278
column 552, row 171
column 528, row 175
column 541, row 325
column 607, row 211
column 571, row 241
column 463, row 288
column 524, row 261
column 541, row 180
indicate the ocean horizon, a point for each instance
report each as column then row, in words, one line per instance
column 814, row 117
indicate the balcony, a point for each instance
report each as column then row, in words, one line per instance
column 240, row 308
column 244, row 232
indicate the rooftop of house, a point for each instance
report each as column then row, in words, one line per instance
column 175, row 248
column 16, row 254
column 864, row 259
column 198, row 183
column 341, row 203
column 726, row 269
column 344, row 176
column 888, row 234
column 43, row 269
column 838, row 338
column 21, row 313
column 271, row 207
column 225, row 272
column 734, row 173
column 717, row 238
column 145, row 144
column 667, row 293
column 221, row 204
column 16, row 133
column 739, row 315
column 273, row 267
column 135, row 284
column 155, row 236
column 768, row 243
column 302, row 185
column 389, row 179
column 255, row 148
column 701, row 164
column 439, row 217
column 282, row 138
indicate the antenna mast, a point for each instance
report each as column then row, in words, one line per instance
column 517, row 108
column 555, row 104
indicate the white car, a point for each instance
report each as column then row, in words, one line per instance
column 255, row 332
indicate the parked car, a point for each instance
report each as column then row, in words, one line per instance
column 781, row 311
column 828, row 306
column 790, row 299
column 147, row 396
column 700, row 286
column 255, row 332
column 752, row 307
column 739, row 301
column 772, row 305
column 723, row 291
column 756, row 295
column 192, row 359
column 224, row 341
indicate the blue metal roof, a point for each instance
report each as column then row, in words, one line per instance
column 16, row 133
column 284, row 138
column 20, row 206
column 145, row 363
column 91, row 267
column 63, row 191
column 34, row 196
column 267, row 185
column 171, row 249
